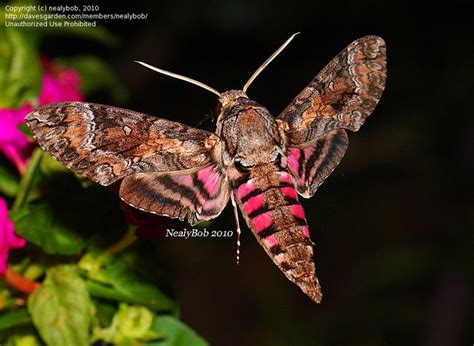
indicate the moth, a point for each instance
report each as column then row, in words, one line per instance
column 261, row 163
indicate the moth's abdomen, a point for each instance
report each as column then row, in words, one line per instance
column 271, row 208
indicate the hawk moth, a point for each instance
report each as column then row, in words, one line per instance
column 260, row 162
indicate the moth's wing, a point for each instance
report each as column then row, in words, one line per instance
column 108, row 143
column 310, row 164
column 342, row 95
column 195, row 196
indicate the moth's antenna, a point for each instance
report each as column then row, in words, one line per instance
column 268, row 61
column 178, row 76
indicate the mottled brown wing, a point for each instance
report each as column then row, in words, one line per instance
column 341, row 96
column 108, row 143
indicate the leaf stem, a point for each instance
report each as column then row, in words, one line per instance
column 19, row 282
column 27, row 179
column 124, row 242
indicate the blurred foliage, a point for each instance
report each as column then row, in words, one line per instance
column 8, row 182
column 20, row 72
column 96, row 75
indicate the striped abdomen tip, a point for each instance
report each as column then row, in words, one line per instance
column 312, row 289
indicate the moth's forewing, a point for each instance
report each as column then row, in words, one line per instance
column 107, row 143
column 342, row 95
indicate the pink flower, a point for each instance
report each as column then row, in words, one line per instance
column 13, row 143
column 59, row 84
column 8, row 239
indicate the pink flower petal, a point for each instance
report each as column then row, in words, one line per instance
column 13, row 143
column 59, row 85
column 4, row 235
column 8, row 239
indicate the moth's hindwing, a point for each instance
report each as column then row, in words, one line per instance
column 195, row 196
column 342, row 95
column 312, row 162
column 108, row 143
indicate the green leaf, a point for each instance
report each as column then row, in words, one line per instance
column 61, row 308
column 100, row 290
column 130, row 324
column 175, row 333
column 23, row 340
column 40, row 225
column 105, row 311
column 61, row 224
column 8, row 182
column 124, row 279
column 20, row 73
column 120, row 282
column 135, row 322
column 96, row 76
column 15, row 318
column 92, row 264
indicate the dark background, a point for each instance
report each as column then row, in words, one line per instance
column 393, row 224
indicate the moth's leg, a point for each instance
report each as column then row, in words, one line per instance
column 236, row 215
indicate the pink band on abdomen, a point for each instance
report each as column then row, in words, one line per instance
column 262, row 222
column 298, row 211
column 253, row 204
column 289, row 192
column 271, row 241
column 245, row 189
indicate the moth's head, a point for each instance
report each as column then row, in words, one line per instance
column 228, row 98
column 228, row 101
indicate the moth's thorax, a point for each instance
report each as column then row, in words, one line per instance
column 249, row 131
